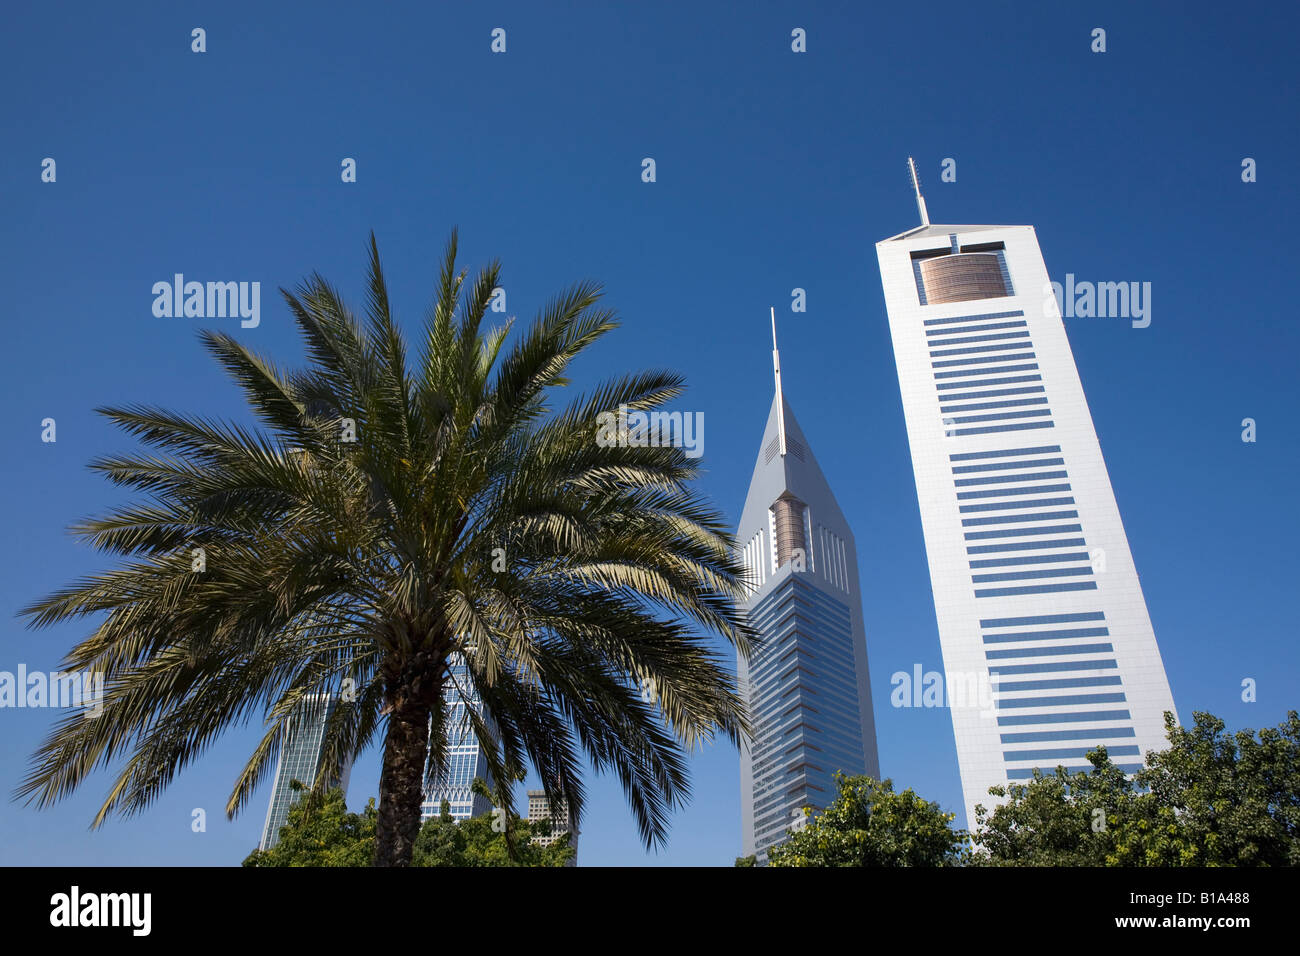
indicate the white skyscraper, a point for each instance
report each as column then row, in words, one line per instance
column 1034, row 587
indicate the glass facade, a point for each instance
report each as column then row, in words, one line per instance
column 806, row 684
column 465, row 759
column 300, row 757
column 804, row 702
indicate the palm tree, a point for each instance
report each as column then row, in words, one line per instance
column 381, row 518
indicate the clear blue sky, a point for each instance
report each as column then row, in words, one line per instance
column 775, row 170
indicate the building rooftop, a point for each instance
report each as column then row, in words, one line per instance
column 922, row 232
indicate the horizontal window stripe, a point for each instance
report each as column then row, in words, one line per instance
column 1096, row 664
column 1033, row 366
column 1013, row 380
column 1022, row 343
column 973, row 318
column 1015, row 532
column 1011, row 519
column 1043, row 619
column 992, row 429
column 1008, row 479
column 1085, row 733
column 1016, row 339
column 1031, row 575
column 1049, row 651
column 993, row 393
column 1026, row 546
column 1026, row 774
column 1071, row 717
column 1013, row 505
column 1000, row 416
column 1008, row 492
column 981, row 406
column 1029, row 559
column 1060, row 633
column 1059, row 683
column 975, row 333
column 1004, row 453
column 983, row 360
column 990, row 327
column 1125, row 750
column 1038, row 589
column 1009, row 465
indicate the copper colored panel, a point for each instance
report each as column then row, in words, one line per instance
column 962, row 277
column 789, row 529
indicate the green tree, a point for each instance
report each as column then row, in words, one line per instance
column 1220, row 799
column 868, row 824
column 441, row 841
column 321, row 832
column 482, row 841
column 388, row 514
column 1057, row 819
column 1210, row 799
column 500, row 798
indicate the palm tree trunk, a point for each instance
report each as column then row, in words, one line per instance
column 401, row 783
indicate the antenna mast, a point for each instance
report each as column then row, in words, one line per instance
column 780, row 400
column 916, row 185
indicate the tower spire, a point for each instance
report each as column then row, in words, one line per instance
column 780, row 400
column 916, row 185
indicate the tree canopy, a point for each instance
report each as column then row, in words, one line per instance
column 321, row 832
column 1211, row 798
column 868, row 824
column 482, row 841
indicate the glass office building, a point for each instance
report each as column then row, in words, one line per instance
column 465, row 759
column 807, row 684
column 300, row 758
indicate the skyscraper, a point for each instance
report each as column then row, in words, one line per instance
column 300, row 757
column 465, row 759
column 539, row 809
column 1035, row 591
column 807, row 684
